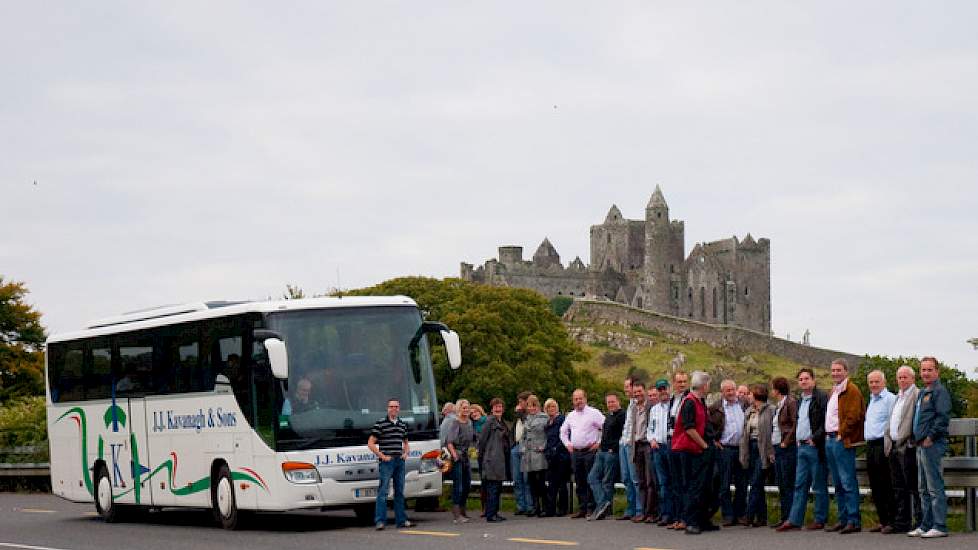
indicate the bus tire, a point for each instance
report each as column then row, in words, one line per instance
column 107, row 509
column 365, row 513
column 223, row 504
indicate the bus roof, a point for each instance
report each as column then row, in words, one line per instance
column 194, row 311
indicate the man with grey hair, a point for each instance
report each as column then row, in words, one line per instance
column 694, row 439
column 899, row 449
column 877, row 466
column 727, row 416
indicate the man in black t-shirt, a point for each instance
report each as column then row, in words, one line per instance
column 389, row 443
column 604, row 472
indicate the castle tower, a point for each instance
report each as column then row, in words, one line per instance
column 664, row 255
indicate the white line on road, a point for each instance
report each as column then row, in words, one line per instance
column 27, row 546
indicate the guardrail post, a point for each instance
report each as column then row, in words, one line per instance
column 970, row 449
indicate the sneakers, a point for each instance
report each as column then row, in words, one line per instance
column 933, row 534
column 460, row 519
column 406, row 525
column 600, row 512
column 380, row 526
column 916, row 532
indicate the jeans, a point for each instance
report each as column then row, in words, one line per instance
column 842, row 463
column 582, row 462
column 930, row 480
column 602, row 477
column 627, row 469
column 492, row 497
column 906, row 498
column 757, row 501
column 521, row 491
column 461, row 482
column 785, row 465
column 392, row 470
column 731, row 472
column 810, row 473
column 677, row 485
column 645, row 479
column 660, row 458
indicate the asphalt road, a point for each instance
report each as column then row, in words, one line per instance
column 41, row 522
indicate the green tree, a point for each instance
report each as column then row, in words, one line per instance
column 21, row 343
column 956, row 382
column 511, row 341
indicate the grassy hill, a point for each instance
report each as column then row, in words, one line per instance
column 614, row 351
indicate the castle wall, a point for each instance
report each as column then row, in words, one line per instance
column 593, row 311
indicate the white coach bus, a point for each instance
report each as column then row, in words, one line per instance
column 233, row 406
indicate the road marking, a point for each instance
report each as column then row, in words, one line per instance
column 431, row 533
column 26, row 546
column 647, row 548
column 544, row 541
column 36, row 511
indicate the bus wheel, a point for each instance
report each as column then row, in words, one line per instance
column 107, row 509
column 365, row 513
column 222, row 499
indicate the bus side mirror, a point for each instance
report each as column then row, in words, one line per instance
column 278, row 358
column 453, row 348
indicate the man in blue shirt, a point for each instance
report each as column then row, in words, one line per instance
column 811, row 470
column 930, row 434
column 877, row 465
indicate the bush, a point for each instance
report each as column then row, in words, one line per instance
column 560, row 304
column 23, row 424
column 614, row 358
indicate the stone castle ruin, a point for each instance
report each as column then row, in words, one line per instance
column 642, row 263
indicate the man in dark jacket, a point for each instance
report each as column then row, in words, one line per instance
column 811, row 469
column 604, row 473
column 930, row 434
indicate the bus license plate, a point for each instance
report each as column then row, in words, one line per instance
column 364, row 493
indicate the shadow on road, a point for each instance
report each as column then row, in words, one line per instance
column 292, row 522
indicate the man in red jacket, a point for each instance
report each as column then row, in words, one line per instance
column 694, row 440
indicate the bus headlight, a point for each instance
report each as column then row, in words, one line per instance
column 429, row 462
column 301, row 472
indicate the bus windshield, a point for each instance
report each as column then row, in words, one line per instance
column 344, row 364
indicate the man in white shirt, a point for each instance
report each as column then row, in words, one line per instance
column 658, row 437
column 899, row 448
column 625, row 464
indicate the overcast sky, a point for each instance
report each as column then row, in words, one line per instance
column 186, row 151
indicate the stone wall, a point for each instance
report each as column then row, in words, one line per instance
column 592, row 311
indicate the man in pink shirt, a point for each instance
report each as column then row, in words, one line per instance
column 581, row 434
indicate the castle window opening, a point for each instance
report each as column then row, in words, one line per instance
column 690, row 299
column 658, row 214
column 609, row 238
column 746, row 291
column 703, row 302
column 714, row 302
column 672, row 268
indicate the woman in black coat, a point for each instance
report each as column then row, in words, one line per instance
column 558, row 464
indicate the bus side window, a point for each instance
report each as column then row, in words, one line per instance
column 71, row 376
column 99, row 381
column 135, row 365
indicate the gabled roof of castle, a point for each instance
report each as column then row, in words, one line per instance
column 614, row 215
column 545, row 249
column 658, row 199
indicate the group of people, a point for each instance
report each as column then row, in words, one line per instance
column 682, row 460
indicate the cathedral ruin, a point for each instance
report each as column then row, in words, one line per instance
column 643, row 263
